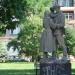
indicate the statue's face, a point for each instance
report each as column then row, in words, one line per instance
column 55, row 9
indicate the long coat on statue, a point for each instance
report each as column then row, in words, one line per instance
column 57, row 26
column 47, row 40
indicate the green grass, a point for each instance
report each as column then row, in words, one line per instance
column 21, row 69
column 16, row 66
column 17, row 69
column 73, row 68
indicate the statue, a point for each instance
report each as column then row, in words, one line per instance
column 51, row 39
column 53, row 34
column 47, row 39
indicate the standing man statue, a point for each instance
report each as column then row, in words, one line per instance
column 52, row 35
column 57, row 26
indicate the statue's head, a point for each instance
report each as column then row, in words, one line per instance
column 55, row 8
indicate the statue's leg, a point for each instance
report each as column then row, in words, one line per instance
column 61, row 43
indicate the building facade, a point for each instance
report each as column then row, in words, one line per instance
column 68, row 8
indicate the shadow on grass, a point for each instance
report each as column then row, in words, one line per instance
column 17, row 72
column 73, row 71
column 23, row 72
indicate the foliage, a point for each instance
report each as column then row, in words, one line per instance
column 19, row 10
column 38, row 6
column 2, row 29
column 2, row 49
column 14, row 43
column 31, row 28
column 12, row 11
column 70, row 40
column 30, row 14
column 30, row 35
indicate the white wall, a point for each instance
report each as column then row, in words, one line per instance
column 15, row 31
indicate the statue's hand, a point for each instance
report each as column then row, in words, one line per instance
column 52, row 25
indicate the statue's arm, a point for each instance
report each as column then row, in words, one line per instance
column 46, row 19
column 61, row 24
column 52, row 24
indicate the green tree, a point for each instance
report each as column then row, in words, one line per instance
column 15, row 44
column 2, row 49
column 12, row 11
column 19, row 9
column 30, row 35
column 70, row 40
column 32, row 26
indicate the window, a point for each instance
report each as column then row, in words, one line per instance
column 66, row 3
column 69, row 16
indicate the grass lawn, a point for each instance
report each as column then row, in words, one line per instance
column 73, row 68
column 21, row 69
column 17, row 69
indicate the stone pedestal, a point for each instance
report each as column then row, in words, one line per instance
column 55, row 68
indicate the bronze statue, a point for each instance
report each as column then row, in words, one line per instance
column 47, row 39
column 53, row 34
